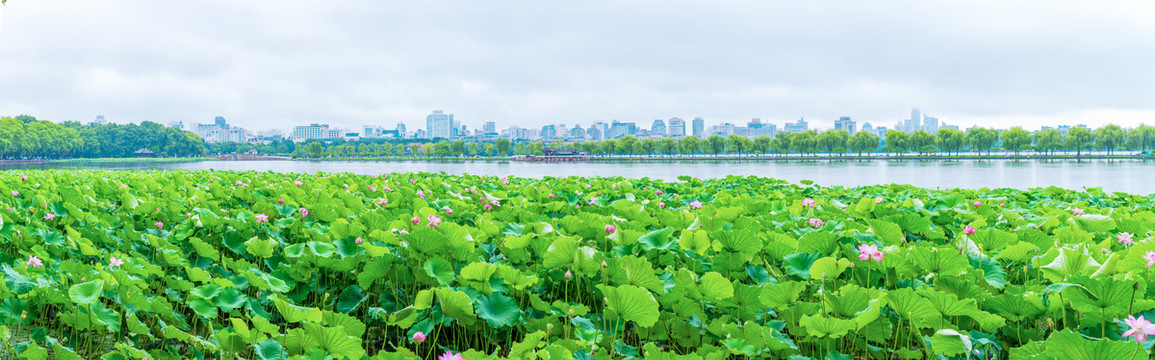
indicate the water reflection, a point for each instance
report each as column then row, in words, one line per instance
column 1112, row 175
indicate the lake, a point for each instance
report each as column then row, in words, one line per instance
column 1132, row 176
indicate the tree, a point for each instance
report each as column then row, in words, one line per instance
column 627, row 145
column 781, row 143
column 805, row 142
column 457, row 147
column 502, row 146
column 951, row 140
column 982, row 139
column 762, row 144
column 689, row 145
column 714, row 144
column 922, row 142
column 832, row 141
column 1141, row 138
column 315, row 149
column 736, row 144
column 863, row 142
column 1109, row 138
column 897, row 141
column 667, row 146
column 1048, row 140
column 1079, row 139
column 1016, row 139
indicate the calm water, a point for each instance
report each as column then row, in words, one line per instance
column 1133, row 176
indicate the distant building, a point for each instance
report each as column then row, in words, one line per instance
column 179, row 125
column 658, row 128
column 439, row 125
column 220, row 132
column 676, row 127
column 489, row 128
column 915, row 122
column 699, row 126
column 930, row 124
column 314, row 131
column 595, row 133
column 797, row 126
column 376, row 132
column 758, row 128
column 619, row 129
column 844, row 123
column 548, row 132
column 98, row 121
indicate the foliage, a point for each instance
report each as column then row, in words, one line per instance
column 228, row 265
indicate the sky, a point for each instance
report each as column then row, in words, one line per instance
column 265, row 64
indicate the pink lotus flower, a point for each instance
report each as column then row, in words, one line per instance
column 1125, row 238
column 869, row 252
column 359, row 241
column 816, row 222
column 15, row 193
column 1002, row 204
column 34, row 261
column 447, row 210
column 969, row 230
column 421, row 195
column 23, row 178
column 662, row 205
column 808, row 202
column 551, row 195
column 1150, row 257
column 298, row 183
column 415, row 220
column 240, row 183
column 660, row 192
column 304, row 212
column 187, row 214
column 262, row 218
column 373, row 189
column 1140, row 328
column 978, row 203
column 386, row 188
column 418, row 337
column 695, row 204
column 610, row 229
column 281, row 201
column 878, row 200
column 114, row 262
column 495, row 203
column 433, row 220
column 449, row 355
column 488, row 207
column 382, row 202
column 568, row 274
column 403, row 232
column 159, row 224
column 1078, row 211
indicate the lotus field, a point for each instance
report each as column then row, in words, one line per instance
column 229, row 265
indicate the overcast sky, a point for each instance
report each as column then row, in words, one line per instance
column 276, row 64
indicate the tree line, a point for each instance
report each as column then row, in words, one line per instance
column 25, row 137
column 1109, row 138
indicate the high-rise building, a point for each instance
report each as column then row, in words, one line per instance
column 220, row 131
column 489, row 128
column 220, row 122
column 401, row 130
column 797, row 126
column 915, row 122
column 311, row 131
column 676, row 127
column 99, row 120
column 439, row 125
column 548, row 132
column 758, row 128
column 844, row 123
column 658, row 128
column 595, row 132
column 619, row 129
column 699, row 126
column 930, row 124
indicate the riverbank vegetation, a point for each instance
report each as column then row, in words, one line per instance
column 25, row 138
column 946, row 142
column 203, row 264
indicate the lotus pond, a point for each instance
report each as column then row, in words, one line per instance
column 204, row 264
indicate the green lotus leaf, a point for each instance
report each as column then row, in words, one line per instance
column 1095, row 223
column 1104, row 295
column 498, row 310
column 631, row 303
column 799, row 264
column 455, row 304
column 439, row 269
column 321, row 249
column 63, row 353
column 890, row 233
column 33, row 351
column 269, row 349
column 821, row 242
column 821, row 326
column 86, row 292
column 1070, row 261
column 261, row 247
column 335, row 341
column 351, row 325
column 950, row 343
column 560, row 253
column 696, row 241
column 229, row 299
column 350, row 299
column 781, row 295
column 633, row 270
column 715, row 287
column 658, row 239
column 907, row 304
column 1070, row 345
column 294, row 314
column 828, row 268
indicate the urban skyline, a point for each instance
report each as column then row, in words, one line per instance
column 442, row 125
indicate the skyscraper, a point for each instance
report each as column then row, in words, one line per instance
column 699, row 126
column 797, row 126
column 915, row 121
column 930, row 123
column 844, row 123
column 658, row 128
column 676, row 127
column 438, row 125
column 490, row 128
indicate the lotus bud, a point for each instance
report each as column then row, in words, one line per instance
column 359, row 241
column 610, row 229
column 415, row 220
column 568, row 274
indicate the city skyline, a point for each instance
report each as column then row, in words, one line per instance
column 353, row 63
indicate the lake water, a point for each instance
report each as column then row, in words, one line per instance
column 1132, row 176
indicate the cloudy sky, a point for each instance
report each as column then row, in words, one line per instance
column 275, row 64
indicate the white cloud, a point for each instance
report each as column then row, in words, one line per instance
column 273, row 64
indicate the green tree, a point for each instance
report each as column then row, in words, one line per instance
column 922, row 142
column 1016, row 139
column 502, row 146
column 1079, row 139
column 951, row 140
column 1141, row 138
column 1109, row 138
column 781, row 143
column 715, row 144
column 689, row 145
column 805, row 142
column 315, row 149
column 832, row 141
column 762, row 144
column 982, row 139
column 1048, row 141
column 863, row 142
column 897, row 142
